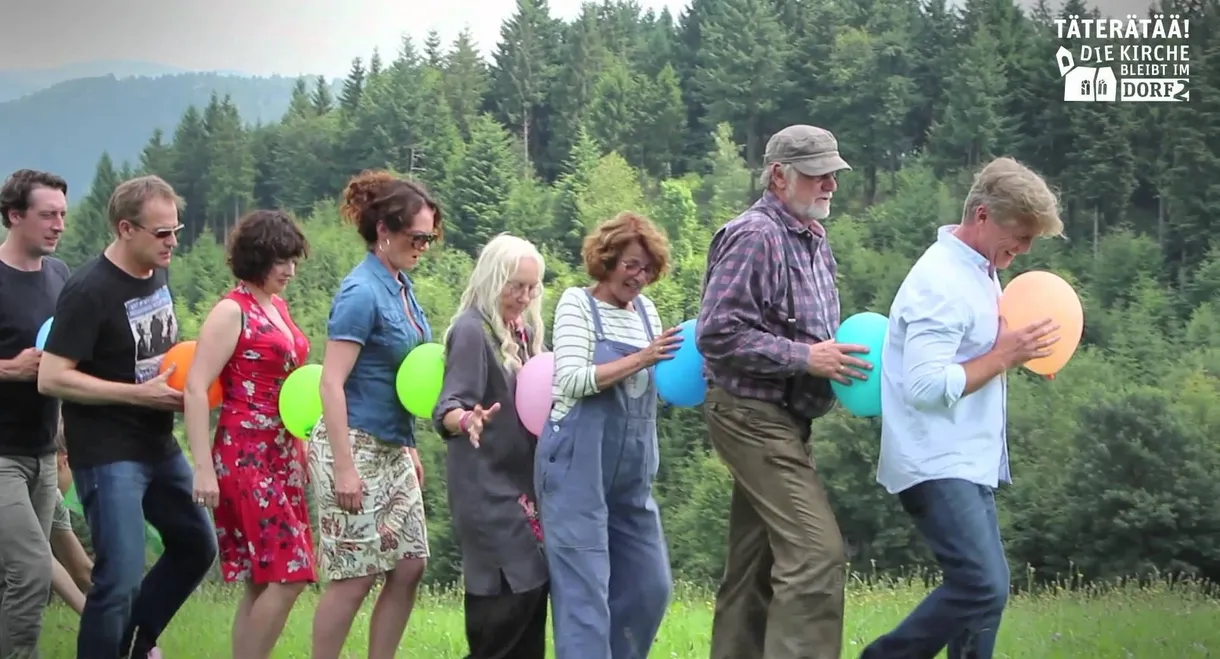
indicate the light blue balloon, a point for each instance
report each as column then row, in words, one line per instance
column 680, row 380
column 43, row 333
column 863, row 397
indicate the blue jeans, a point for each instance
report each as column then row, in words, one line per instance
column 957, row 519
column 126, row 610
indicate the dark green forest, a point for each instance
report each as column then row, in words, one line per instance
column 1116, row 461
column 63, row 127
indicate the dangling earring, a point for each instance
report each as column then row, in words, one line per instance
column 384, row 245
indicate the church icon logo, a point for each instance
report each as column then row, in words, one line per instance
column 1085, row 83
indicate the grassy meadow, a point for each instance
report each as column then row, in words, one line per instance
column 1126, row 621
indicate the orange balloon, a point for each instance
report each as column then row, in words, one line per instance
column 1035, row 295
column 182, row 355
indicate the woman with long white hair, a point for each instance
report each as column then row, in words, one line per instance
column 490, row 463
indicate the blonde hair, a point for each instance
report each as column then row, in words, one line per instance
column 497, row 263
column 129, row 197
column 1014, row 193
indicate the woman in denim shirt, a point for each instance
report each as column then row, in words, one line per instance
column 365, row 470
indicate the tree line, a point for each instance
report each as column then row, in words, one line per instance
column 1115, row 462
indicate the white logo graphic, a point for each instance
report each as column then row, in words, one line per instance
column 1085, row 83
column 636, row 385
column 1146, row 71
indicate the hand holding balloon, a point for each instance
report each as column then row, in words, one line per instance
column 158, row 394
column 662, row 348
column 833, row 360
column 1038, row 299
column 1016, row 347
column 863, row 333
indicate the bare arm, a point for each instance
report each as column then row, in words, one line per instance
column 352, row 320
column 336, row 366
column 74, row 334
column 66, row 588
column 213, row 349
column 8, row 370
column 71, row 555
column 22, row 368
column 981, row 370
column 58, row 378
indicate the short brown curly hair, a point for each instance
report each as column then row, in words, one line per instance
column 605, row 245
column 377, row 196
column 259, row 240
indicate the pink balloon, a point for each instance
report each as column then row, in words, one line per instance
column 533, row 396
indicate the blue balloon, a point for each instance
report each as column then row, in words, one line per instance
column 680, row 380
column 863, row 397
column 43, row 333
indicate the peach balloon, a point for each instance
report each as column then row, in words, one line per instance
column 1032, row 296
column 182, row 355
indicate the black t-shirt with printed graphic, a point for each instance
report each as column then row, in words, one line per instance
column 28, row 420
column 117, row 328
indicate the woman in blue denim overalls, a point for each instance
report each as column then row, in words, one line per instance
column 597, row 455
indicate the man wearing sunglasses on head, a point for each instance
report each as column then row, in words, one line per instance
column 114, row 322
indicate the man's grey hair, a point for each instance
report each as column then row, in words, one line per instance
column 768, row 174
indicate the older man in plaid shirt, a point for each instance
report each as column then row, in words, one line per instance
column 766, row 329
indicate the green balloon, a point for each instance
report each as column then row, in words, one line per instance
column 301, row 401
column 72, row 502
column 151, row 537
column 420, row 378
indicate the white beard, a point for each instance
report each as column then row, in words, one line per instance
column 814, row 211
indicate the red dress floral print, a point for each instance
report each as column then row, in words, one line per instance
column 262, row 520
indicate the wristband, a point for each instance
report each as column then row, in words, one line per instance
column 465, row 418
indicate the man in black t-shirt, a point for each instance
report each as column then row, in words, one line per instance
column 32, row 207
column 118, row 424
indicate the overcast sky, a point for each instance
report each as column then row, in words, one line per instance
column 262, row 37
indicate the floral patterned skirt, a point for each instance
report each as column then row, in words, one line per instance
column 391, row 525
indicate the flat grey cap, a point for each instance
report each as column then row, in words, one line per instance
column 811, row 150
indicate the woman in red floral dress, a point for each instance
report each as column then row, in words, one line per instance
column 253, row 476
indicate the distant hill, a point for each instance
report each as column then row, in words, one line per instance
column 66, row 127
column 17, row 83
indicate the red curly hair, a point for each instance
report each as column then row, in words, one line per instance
column 377, row 196
column 605, row 245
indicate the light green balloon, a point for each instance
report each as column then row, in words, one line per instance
column 72, row 502
column 420, row 378
column 301, row 401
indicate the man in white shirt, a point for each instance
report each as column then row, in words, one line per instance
column 943, row 391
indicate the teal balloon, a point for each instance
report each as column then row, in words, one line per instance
column 301, row 400
column 420, row 379
column 43, row 333
column 863, row 397
column 680, row 380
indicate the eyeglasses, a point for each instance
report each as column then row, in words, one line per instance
column 421, row 240
column 516, row 288
column 161, row 233
column 632, row 267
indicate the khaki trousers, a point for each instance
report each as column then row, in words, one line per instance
column 782, row 592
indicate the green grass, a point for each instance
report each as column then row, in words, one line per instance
column 1127, row 621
